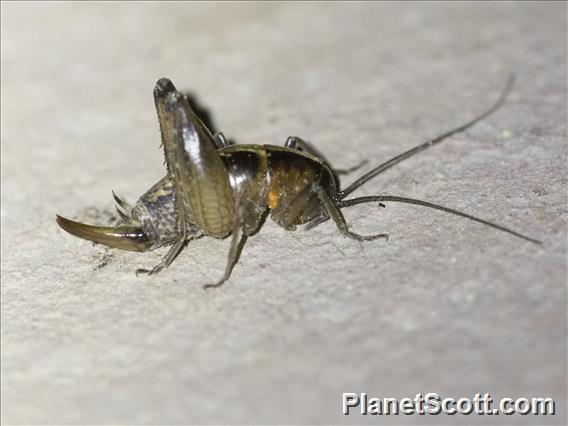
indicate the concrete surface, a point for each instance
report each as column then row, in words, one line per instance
column 445, row 306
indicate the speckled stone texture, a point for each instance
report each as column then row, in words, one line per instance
column 444, row 306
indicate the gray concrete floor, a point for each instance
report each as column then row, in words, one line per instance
column 444, row 306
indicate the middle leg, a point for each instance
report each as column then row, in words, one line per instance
column 297, row 143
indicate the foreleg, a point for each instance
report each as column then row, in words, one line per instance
column 335, row 213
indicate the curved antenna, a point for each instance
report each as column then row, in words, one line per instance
column 379, row 198
column 388, row 164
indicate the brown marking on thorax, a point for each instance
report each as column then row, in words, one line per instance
column 288, row 180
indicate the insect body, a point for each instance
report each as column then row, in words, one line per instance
column 215, row 189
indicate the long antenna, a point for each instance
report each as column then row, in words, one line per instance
column 388, row 164
column 379, row 198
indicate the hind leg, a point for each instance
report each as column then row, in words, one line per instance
column 238, row 239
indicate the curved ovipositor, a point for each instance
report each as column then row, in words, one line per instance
column 130, row 238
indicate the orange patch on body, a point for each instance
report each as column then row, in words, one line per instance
column 273, row 199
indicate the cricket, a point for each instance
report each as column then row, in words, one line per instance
column 216, row 189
